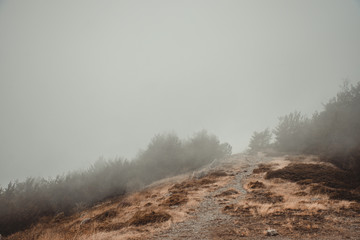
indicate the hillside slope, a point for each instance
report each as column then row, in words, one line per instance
column 242, row 197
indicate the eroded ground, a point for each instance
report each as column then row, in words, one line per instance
column 240, row 198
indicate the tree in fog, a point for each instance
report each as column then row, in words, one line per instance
column 23, row 203
column 291, row 131
column 260, row 141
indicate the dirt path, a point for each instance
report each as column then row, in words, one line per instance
column 226, row 200
column 209, row 216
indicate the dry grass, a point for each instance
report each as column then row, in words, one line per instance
column 293, row 209
column 176, row 199
column 256, row 184
column 228, row 192
column 134, row 216
column 322, row 179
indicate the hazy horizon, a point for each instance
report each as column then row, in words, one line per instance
column 87, row 79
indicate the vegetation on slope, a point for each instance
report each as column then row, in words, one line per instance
column 23, row 203
column 333, row 133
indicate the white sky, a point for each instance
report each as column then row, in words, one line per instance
column 84, row 79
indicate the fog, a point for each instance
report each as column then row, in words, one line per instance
column 88, row 79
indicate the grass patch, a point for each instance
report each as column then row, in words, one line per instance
column 263, row 197
column 143, row 218
column 324, row 179
column 257, row 184
column 106, row 215
column 176, row 199
column 227, row 193
column 262, row 168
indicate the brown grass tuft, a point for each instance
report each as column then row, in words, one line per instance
column 257, row 184
column 337, row 194
column 355, row 207
column 176, row 199
column 313, row 173
column 110, row 227
column 205, row 181
column 300, row 193
column 218, row 173
column 298, row 203
column 261, row 196
column 227, row 193
column 262, row 168
column 145, row 217
column 105, row 215
column 124, row 204
column 323, row 179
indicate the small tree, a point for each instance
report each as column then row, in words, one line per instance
column 291, row 132
column 260, row 141
column 203, row 148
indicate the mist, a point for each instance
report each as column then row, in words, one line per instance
column 88, row 79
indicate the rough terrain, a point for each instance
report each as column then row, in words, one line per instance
column 209, row 215
column 242, row 197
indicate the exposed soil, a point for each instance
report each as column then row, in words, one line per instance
column 209, row 221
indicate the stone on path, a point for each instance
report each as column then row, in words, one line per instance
column 271, row 232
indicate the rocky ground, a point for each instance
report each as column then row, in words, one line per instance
column 204, row 223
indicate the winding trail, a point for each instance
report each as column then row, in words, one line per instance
column 208, row 214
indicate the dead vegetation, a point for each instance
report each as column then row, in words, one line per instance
column 318, row 173
column 228, row 192
column 322, row 178
column 262, row 196
column 178, row 192
column 176, row 199
column 145, row 217
column 216, row 174
column 262, row 168
column 133, row 216
column 297, row 201
column 229, row 232
column 293, row 208
column 256, row 184
column 110, row 227
column 22, row 204
column 106, row 215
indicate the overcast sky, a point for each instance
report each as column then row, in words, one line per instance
column 84, row 79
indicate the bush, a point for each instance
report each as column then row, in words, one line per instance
column 290, row 134
column 260, row 141
column 24, row 203
column 333, row 133
column 203, row 149
column 167, row 155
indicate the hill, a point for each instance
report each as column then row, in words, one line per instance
column 241, row 197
